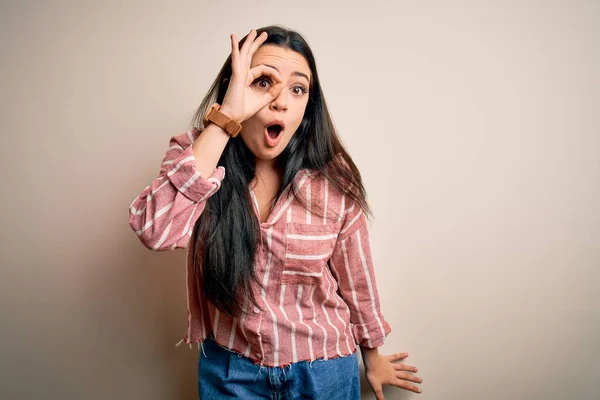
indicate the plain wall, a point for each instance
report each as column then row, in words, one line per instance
column 475, row 126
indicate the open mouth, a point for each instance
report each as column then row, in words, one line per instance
column 274, row 130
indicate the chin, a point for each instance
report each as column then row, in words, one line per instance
column 267, row 154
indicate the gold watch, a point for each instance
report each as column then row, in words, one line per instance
column 231, row 126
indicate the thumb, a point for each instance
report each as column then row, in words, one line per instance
column 377, row 389
column 271, row 94
column 275, row 90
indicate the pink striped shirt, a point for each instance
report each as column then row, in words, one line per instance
column 321, row 297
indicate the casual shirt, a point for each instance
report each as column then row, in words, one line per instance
column 320, row 298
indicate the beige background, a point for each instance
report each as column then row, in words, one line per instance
column 474, row 123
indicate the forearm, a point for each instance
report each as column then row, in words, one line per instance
column 208, row 148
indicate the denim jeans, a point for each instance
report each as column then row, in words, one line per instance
column 224, row 374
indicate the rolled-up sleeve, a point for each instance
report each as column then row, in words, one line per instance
column 352, row 265
column 165, row 212
column 187, row 180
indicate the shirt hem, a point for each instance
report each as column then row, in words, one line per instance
column 263, row 363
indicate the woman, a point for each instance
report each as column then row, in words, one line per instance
column 281, row 286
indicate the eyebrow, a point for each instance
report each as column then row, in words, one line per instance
column 295, row 73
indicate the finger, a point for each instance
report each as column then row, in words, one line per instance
column 408, row 377
column 273, row 93
column 404, row 367
column 268, row 97
column 256, row 44
column 275, row 90
column 263, row 70
column 397, row 356
column 402, row 384
column 377, row 389
column 248, row 43
column 235, row 53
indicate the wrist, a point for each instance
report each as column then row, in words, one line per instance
column 223, row 118
column 213, row 129
column 369, row 355
column 225, row 109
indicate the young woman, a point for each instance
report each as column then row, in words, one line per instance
column 280, row 281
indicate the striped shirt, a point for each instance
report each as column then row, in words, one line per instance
column 320, row 299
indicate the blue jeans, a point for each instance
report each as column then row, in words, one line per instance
column 224, row 374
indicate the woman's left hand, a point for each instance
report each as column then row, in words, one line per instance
column 381, row 370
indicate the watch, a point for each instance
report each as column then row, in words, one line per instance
column 231, row 126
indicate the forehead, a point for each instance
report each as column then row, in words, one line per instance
column 284, row 60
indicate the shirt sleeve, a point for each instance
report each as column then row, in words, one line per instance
column 164, row 213
column 352, row 266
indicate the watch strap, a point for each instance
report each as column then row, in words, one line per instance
column 231, row 126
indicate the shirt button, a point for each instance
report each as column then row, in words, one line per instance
column 256, row 310
column 258, row 355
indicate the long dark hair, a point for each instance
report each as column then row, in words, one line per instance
column 224, row 239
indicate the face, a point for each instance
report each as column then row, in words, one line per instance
column 288, row 106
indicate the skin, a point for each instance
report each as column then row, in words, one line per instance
column 289, row 106
column 286, row 101
column 268, row 82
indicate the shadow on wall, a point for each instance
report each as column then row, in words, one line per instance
column 139, row 313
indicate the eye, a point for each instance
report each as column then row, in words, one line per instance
column 298, row 89
column 303, row 90
column 262, row 79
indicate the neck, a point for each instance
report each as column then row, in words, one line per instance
column 266, row 167
column 268, row 173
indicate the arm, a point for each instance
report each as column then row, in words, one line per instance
column 164, row 213
column 352, row 266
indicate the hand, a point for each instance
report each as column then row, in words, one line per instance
column 241, row 101
column 380, row 371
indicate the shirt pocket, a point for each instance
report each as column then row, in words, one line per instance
column 308, row 248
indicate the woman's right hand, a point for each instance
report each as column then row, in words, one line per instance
column 241, row 101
